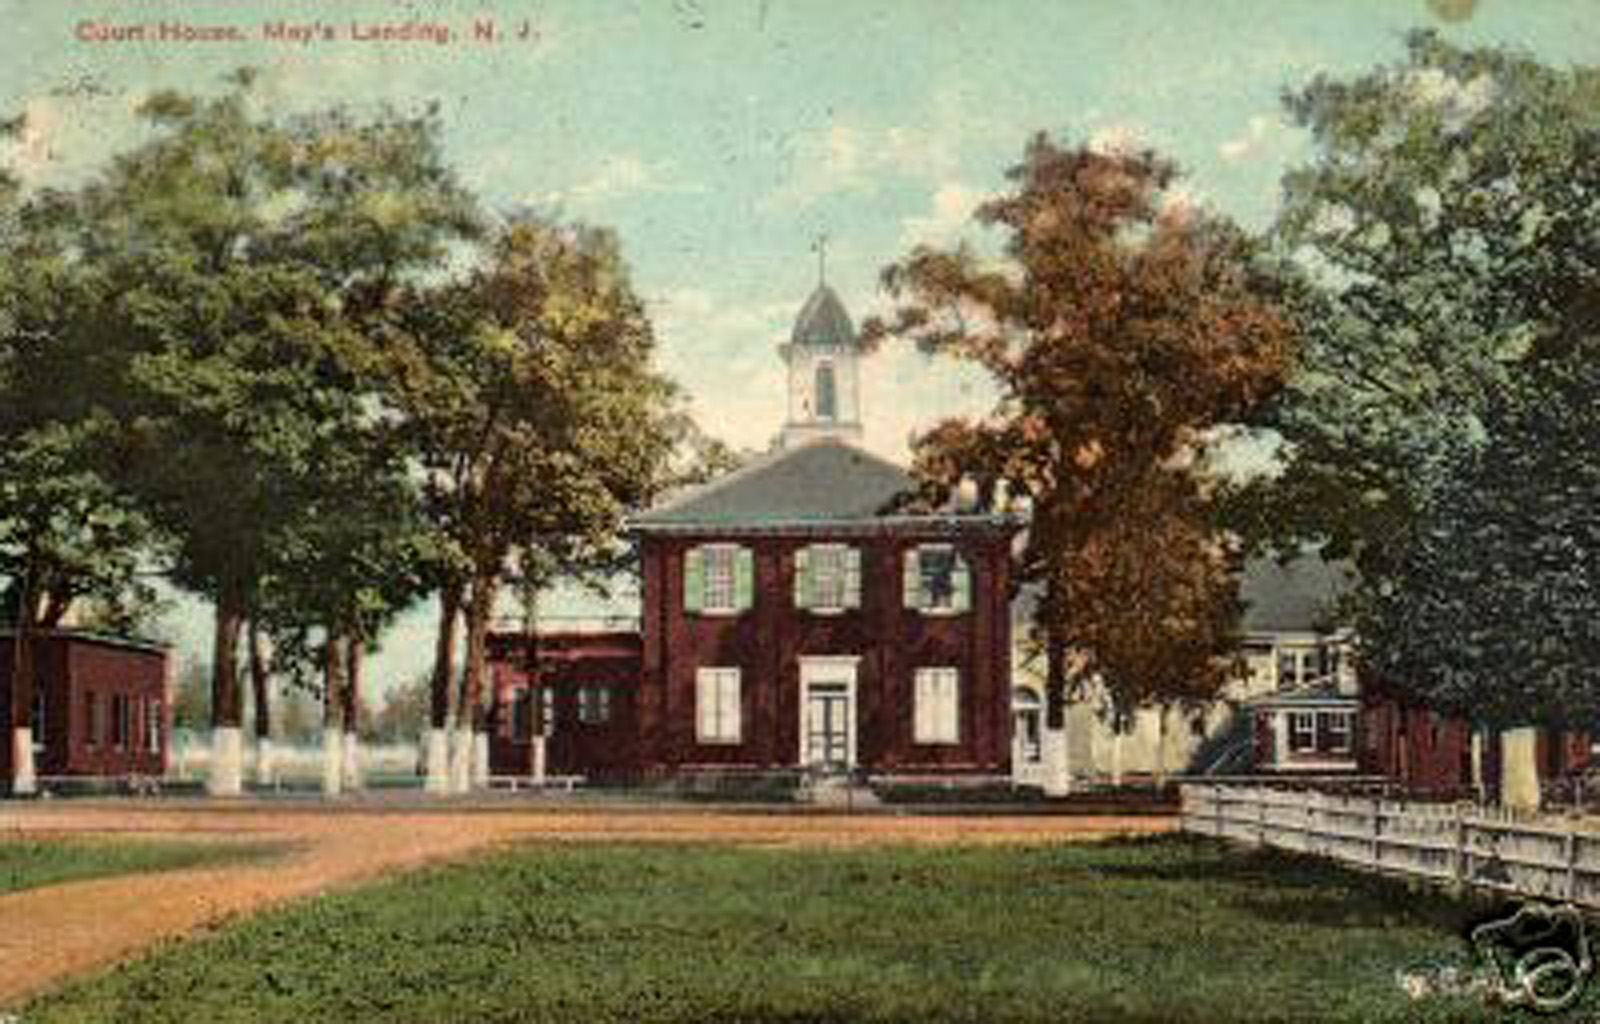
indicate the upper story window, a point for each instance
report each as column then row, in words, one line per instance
column 827, row 397
column 827, row 577
column 937, row 579
column 718, row 578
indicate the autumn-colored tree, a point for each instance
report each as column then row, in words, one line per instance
column 1122, row 327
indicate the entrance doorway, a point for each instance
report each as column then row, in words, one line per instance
column 828, row 713
column 1027, row 735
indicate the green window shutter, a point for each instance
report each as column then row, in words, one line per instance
column 802, row 578
column 694, row 579
column 852, row 577
column 744, row 580
column 911, row 582
column 961, row 584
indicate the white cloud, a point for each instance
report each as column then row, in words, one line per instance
column 848, row 158
column 1260, row 133
column 949, row 210
column 1118, row 137
column 618, row 176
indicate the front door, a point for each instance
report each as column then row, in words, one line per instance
column 1027, row 738
column 828, row 714
column 828, row 726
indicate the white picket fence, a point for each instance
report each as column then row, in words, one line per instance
column 1459, row 844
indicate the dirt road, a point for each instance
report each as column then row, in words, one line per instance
column 49, row 934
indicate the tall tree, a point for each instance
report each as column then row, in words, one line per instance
column 1444, row 233
column 255, row 259
column 1121, row 328
column 1444, row 230
column 541, row 422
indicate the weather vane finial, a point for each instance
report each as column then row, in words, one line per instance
column 820, row 247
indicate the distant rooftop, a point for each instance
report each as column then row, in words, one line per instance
column 1300, row 597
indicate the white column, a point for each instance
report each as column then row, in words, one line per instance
column 1280, row 738
column 24, row 776
column 1053, row 761
column 352, row 768
column 436, row 760
column 266, row 764
column 1479, row 784
column 538, row 760
column 332, row 761
column 480, row 760
column 461, row 759
column 1519, row 769
column 227, row 761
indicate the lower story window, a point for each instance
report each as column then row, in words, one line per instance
column 718, row 711
column 1302, row 731
column 1335, row 729
column 594, row 704
column 935, row 717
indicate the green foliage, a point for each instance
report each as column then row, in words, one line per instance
column 1444, row 233
column 1494, row 612
column 31, row 864
column 404, row 714
column 529, row 393
column 1170, row 930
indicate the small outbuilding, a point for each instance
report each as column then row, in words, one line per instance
column 100, row 708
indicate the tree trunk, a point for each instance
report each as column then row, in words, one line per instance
column 19, row 731
column 227, row 741
column 1519, row 769
column 353, row 776
column 333, row 688
column 470, row 716
column 1161, row 748
column 260, row 695
column 1056, row 759
column 436, row 742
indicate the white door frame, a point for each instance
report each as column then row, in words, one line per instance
column 1024, row 772
column 835, row 670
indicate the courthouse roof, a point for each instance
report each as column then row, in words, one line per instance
column 826, row 480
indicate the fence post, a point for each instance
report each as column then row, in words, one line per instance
column 1261, row 815
column 1458, row 854
column 1216, row 805
column 1377, row 831
column 1571, row 851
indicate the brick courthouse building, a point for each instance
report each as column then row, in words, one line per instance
column 789, row 618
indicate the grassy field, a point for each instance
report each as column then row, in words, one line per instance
column 28, row 863
column 1167, row 929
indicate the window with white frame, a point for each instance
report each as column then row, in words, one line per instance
column 1302, row 731
column 594, row 704
column 827, row 577
column 718, row 708
column 718, row 578
column 1335, row 728
column 935, row 704
column 937, row 579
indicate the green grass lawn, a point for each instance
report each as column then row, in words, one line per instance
column 1166, row 929
column 30, row 863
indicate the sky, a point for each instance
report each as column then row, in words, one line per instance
column 720, row 139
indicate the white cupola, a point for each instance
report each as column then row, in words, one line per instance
column 823, row 358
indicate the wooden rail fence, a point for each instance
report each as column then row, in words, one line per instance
column 1459, row 844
